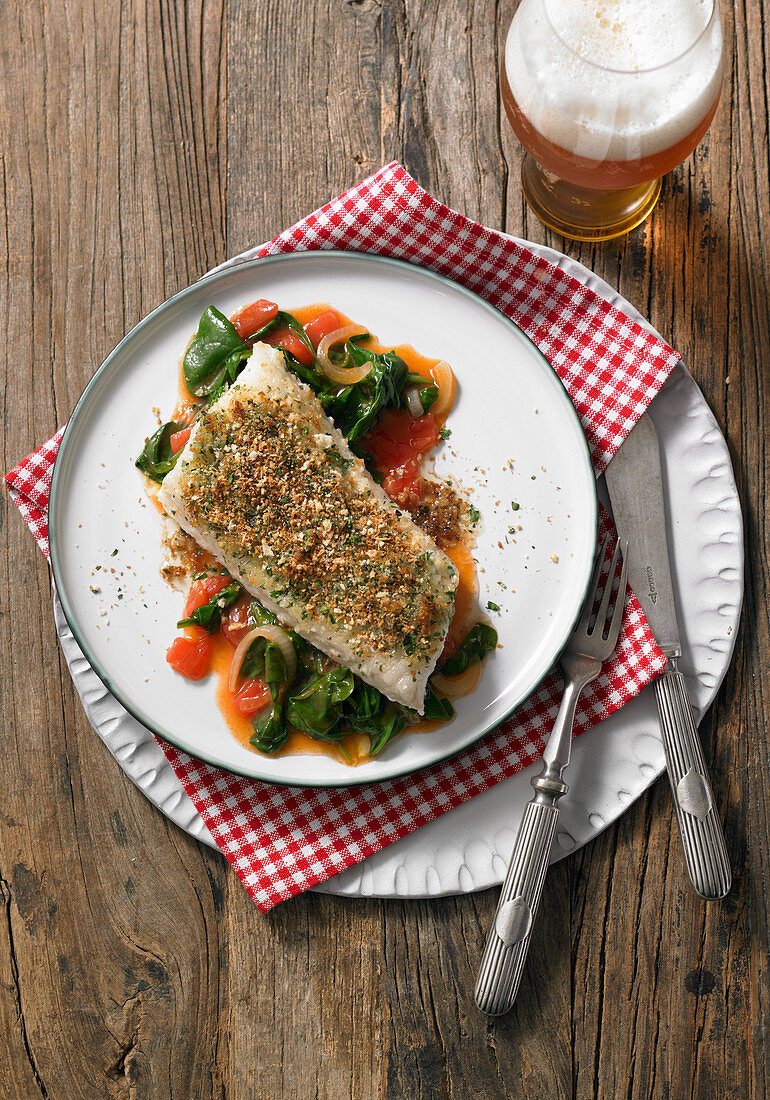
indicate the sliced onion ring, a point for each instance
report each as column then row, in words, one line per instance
column 273, row 634
column 413, row 402
column 453, row 687
column 444, row 378
column 344, row 376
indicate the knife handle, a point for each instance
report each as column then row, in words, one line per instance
column 503, row 961
column 705, row 852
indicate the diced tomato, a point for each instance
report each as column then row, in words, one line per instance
column 252, row 318
column 201, row 592
column 190, row 654
column 321, row 326
column 397, row 444
column 423, row 433
column 399, row 438
column 178, row 439
column 251, row 697
column 286, row 338
column 235, row 623
column 403, row 483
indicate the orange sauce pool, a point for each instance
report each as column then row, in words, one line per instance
column 355, row 745
column 466, row 597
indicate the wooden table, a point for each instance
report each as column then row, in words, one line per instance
column 142, row 144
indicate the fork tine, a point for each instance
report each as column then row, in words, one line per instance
column 620, row 603
column 601, row 614
column 585, row 618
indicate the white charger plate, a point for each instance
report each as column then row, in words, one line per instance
column 515, row 437
column 612, row 764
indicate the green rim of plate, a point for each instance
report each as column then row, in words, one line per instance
column 81, row 404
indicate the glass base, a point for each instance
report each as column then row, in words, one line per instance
column 583, row 213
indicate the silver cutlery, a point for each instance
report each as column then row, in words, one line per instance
column 590, row 644
column 635, row 484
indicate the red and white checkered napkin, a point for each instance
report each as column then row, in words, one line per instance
column 282, row 840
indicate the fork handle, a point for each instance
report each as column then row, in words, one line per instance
column 705, row 852
column 508, row 942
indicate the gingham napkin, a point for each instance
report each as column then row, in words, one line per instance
column 282, row 840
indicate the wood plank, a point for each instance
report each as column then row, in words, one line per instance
column 100, row 228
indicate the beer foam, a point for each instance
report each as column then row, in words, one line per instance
column 614, row 79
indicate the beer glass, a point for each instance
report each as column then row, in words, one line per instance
column 606, row 96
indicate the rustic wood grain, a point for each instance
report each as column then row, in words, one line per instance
column 142, row 143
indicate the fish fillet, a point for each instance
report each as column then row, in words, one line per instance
column 270, row 487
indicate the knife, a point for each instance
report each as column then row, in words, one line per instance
column 635, row 484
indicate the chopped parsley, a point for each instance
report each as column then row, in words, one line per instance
column 514, row 506
column 492, row 606
column 474, row 513
column 444, row 433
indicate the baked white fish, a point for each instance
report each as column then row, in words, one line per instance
column 269, row 486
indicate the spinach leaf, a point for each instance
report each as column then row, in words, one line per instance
column 428, row 395
column 260, row 616
column 380, row 390
column 363, row 707
column 264, row 660
column 479, row 640
column 333, row 399
column 275, row 670
column 209, row 616
column 368, row 711
column 253, row 663
column 288, row 320
column 283, row 319
column 307, row 374
column 157, row 458
column 215, row 355
column 317, row 708
column 270, row 732
column 309, row 658
column 391, row 723
column 436, row 709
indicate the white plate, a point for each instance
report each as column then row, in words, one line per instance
column 612, row 764
column 515, row 437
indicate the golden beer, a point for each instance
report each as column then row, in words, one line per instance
column 606, row 97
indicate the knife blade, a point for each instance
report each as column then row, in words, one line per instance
column 635, row 483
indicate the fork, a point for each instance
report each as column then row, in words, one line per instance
column 591, row 643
